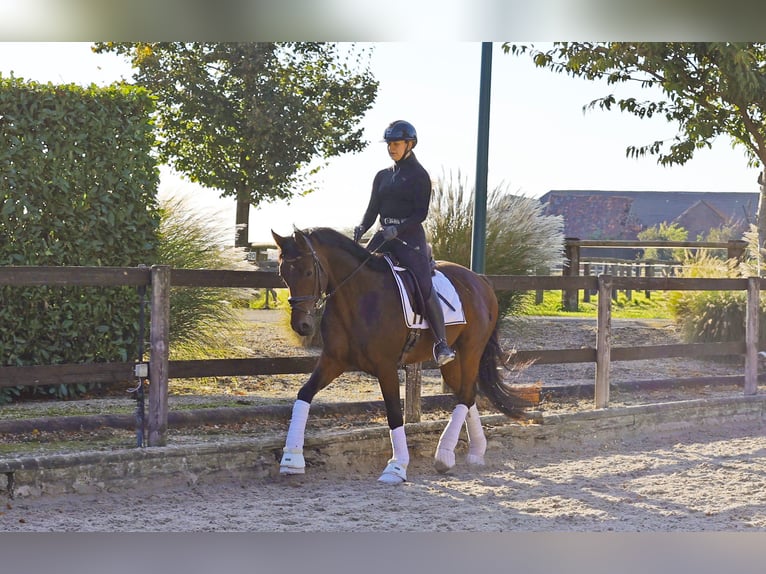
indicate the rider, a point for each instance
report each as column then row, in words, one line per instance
column 401, row 195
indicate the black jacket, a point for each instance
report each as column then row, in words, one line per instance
column 402, row 192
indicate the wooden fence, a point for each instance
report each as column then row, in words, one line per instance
column 575, row 264
column 160, row 369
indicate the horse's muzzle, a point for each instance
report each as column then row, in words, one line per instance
column 302, row 322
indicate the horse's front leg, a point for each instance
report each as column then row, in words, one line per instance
column 396, row 469
column 325, row 372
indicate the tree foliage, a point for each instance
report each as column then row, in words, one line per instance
column 253, row 119
column 707, row 88
column 664, row 232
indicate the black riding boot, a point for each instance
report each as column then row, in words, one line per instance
column 442, row 351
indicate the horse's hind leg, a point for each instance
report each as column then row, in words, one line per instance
column 477, row 442
column 444, row 459
column 460, row 376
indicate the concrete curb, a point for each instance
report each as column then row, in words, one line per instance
column 358, row 451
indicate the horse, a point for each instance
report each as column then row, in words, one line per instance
column 363, row 329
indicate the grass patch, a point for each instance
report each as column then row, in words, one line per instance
column 639, row 306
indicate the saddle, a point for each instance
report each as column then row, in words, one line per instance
column 411, row 298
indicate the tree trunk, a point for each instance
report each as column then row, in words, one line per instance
column 242, row 223
column 761, row 218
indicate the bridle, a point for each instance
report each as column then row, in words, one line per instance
column 319, row 286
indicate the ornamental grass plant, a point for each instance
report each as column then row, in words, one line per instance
column 520, row 238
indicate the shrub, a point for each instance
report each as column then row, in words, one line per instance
column 78, row 187
column 715, row 316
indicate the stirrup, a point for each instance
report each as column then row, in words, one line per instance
column 443, row 354
column 292, row 461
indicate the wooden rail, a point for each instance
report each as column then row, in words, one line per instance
column 161, row 369
column 573, row 260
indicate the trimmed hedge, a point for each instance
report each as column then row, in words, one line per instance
column 78, row 186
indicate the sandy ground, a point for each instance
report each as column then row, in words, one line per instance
column 709, row 480
column 713, row 478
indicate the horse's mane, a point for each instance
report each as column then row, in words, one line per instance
column 332, row 238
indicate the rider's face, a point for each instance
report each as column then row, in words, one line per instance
column 397, row 149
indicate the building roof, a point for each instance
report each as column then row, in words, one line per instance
column 598, row 214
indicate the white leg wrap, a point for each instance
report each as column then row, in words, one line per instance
column 292, row 455
column 445, row 450
column 399, row 445
column 477, row 442
column 396, row 470
column 297, row 429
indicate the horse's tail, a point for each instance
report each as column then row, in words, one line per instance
column 508, row 399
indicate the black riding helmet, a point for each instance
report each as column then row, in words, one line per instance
column 401, row 130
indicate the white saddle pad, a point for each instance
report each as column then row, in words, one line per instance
column 453, row 312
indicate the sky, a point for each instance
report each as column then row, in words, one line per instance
column 540, row 138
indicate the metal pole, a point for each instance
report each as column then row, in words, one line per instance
column 478, row 245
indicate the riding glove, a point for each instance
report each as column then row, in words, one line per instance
column 389, row 232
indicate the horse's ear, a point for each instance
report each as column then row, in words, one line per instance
column 278, row 239
column 300, row 239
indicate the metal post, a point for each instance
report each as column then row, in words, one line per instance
column 478, row 245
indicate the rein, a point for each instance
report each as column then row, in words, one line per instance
column 318, row 291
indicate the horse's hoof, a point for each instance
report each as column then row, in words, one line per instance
column 394, row 473
column 474, row 459
column 292, row 461
column 444, row 460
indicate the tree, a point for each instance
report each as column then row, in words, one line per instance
column 253, row 120
column 709, row 89
column 664, row 232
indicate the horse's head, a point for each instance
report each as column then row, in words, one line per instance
column 302, row 272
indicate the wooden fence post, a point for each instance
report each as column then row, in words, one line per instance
column 751, row 334
column 603, row 340
column 648, row 273
column 571, row 268
column 412, row 383
column 586, row 292
column 159, row 355
column 539, row 293
column 736, row 249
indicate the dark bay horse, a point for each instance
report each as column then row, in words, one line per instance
column 363, row 329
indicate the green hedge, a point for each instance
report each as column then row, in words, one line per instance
column 78, row 186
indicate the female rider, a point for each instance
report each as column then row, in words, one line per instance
column 401, row 195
